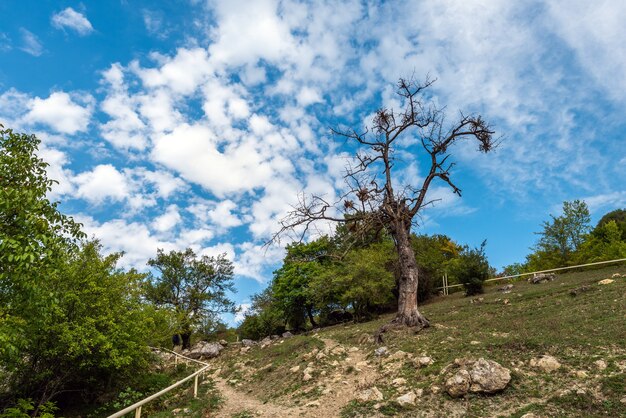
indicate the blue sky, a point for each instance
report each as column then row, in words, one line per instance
column 197, row 123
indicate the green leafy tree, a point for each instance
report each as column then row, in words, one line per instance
column 562, row 236
column 471, row 269
column 619, row 217
column 604, row 244
column 291, row 283
column 33, row 233
column 193, row 288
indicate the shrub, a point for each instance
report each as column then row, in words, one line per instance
column 471, row 269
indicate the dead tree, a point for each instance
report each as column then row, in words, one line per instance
column 370, row 200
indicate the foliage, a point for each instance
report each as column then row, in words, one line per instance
column 33, row 233
column 193, row 288
column 291, row 283
column 471, row 269
column 95, row 328
column 433, row 254
column 362, row 281
column 605, row 243
column 264, row 318
column 619, row 217
column 25, row 408
column 562, row 236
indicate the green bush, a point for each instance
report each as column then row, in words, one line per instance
column 471, row 269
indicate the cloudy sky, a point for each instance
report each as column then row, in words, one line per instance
column 197, row 123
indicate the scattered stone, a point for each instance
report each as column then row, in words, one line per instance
column 295, row 369
column 309, row 370
column 475, row 342
column 313, row 404
column 481, row 376
column 581, row 374
column 542, row 277
column 581, row 392
column 398, row 355
column 287, row 334
column 616, row 275
column 274, row 337
column 600, row 364
column 606, row 281
column 335, row 363
column 320, row 355
column 362, row 364
column 530, row 415
column 424, row 361
column 306, row 377
column 546, row 363
column 407, row 399
column 623, row 400
column 244, row 350
column 506, row 301
column 381, row 351
column 223, row 342
column 400, row 381
column 578, row 290
column 506, row 288
column 247, row 343
column 204, row 349
column 366, row 339
column 353, row 349
column 477, row 300
column 371, row 394
column 338, row 350
column 459, row 384
column 435, row 389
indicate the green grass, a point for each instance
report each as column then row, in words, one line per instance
column 539, row 319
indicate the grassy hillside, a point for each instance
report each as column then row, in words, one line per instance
column 511, row 329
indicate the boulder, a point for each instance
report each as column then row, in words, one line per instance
column 371, row 394
column 541, row 277
column 546, row 363
column 480, row 376
column 407, row 399
column 287, row 334
column 488, row 377
column 424, row 361
column 506, row 288
column 223, row 342
column 606, row 281
column 381, row 351
column 247, row 343
column 459, row 384
column 204, row 349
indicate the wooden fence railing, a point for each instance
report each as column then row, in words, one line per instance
column 136, row 407
column 445, row 286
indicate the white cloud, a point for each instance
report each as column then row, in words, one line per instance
column 101, row 183
column 606, row 201
column 134, row 239
column 168, row 220
column 194, row 151
column 5, row 42
column 71, row 19
column 30, row 43
column 222, row 214
column 60, row 112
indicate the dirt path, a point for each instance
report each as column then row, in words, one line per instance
column 237, row 402
column 339, row 389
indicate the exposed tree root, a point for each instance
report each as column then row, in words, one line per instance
column 416, row 322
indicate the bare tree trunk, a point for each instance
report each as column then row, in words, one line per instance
column 408, row 314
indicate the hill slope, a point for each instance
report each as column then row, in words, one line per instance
column 586, row 333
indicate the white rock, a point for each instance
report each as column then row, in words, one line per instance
column 371, row 394
column 407, row 399
column 294, row 369
column 306, row 377
column 424, row 361
column 606, row 281
column 600, row 364
column 381, row 351
column 546, row 363
column 399, row 381
column 313, row 404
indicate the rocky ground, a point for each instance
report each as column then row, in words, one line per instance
column 521, row 350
